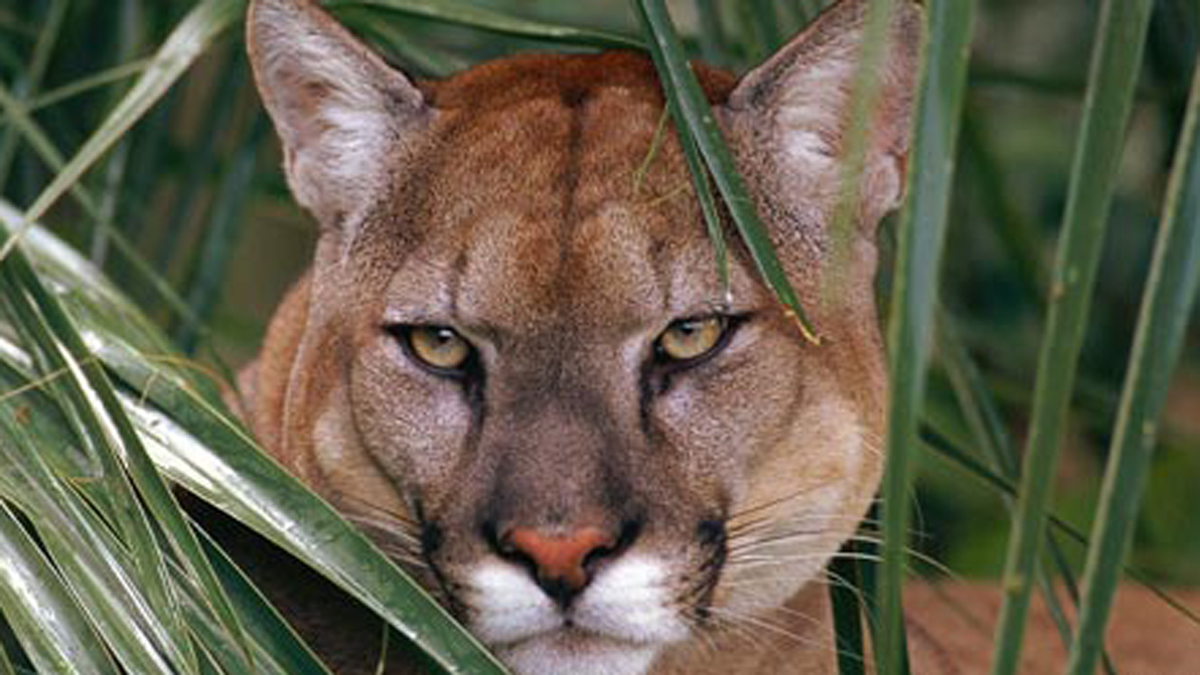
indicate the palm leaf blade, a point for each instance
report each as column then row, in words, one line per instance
column 922, row 231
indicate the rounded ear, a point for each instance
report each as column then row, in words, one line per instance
column 339, row 109
column 790, row 113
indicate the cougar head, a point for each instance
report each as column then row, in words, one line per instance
column 515, row 363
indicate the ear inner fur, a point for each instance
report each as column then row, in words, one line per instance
column 792, row 110
column 341, row 112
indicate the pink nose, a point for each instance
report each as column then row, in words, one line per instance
column 560, row 562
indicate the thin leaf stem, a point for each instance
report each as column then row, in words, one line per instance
column 1116, row 62
column 698, row 121
column 1168, row 298
column 922, row 230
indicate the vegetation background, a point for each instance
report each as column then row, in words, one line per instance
column 186, row 212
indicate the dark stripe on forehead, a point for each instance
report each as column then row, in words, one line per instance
column 574, row 99
column 662, row 278
column 458, row 269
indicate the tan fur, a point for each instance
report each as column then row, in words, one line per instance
column 520, row 204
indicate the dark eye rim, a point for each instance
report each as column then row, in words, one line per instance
column 403, row 332
column 729, row 326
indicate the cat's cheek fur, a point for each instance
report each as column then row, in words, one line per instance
column 811, row 482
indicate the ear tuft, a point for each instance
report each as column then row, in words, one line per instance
column 793, row 110
column 340, row 111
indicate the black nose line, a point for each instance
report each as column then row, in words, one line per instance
column 558, row 589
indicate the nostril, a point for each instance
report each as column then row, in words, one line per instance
column 502, row 545
column 560, row 563
column 596, row 555
column 629, row 532
column 630, row 529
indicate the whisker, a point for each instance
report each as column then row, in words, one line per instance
column 768, row 504
column 806, row 517
column 390, row 529
column 760, row 580
column 868, row 537
column 400, row 545
column 778, row 537
column 762, row 523
column 757, row 509
column 784, row 537
column 741, row 626
column 803, row 616
column 395, row 516
column 756, row 560
column 771, row 503
column 700, row 630
column 767, row 626
column 737, row 631
column 405, row 558
column 838, row 581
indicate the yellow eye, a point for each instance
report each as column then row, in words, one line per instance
column 438, row 347
column 691, row 339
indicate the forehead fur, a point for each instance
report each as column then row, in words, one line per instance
column 544, row 170
column 569, row 77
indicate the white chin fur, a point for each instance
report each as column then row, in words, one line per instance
column 554, row 655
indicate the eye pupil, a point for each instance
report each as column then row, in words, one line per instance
column 437, row 348
column 689, row 340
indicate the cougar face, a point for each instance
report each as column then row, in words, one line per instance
column 515, row 365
